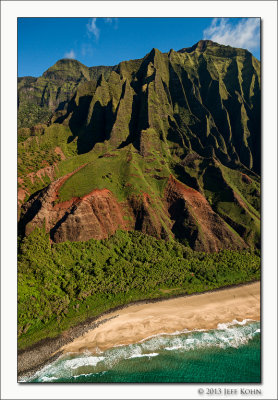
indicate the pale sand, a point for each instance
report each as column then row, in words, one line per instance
column 138, row 322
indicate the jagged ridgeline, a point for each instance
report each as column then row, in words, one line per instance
column 168, row 145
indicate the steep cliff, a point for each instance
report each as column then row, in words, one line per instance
column 168, row 145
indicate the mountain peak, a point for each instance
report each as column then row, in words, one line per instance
column 152, row 54
column 65, row 63
column 154, row 51
column 216, row 49
column 157, row 132
column 67, row 66
column 202, row 45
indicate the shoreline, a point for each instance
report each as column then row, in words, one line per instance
column 133, row 322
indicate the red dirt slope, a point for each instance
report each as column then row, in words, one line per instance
column 195, row 219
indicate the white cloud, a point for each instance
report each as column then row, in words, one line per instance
column 87, row 49
column 245, row 34
column 112, row 21
column 108, row 20
column 70, row 54
column 92, row 28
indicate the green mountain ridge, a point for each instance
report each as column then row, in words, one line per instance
column 193, row 115
column 136, row 181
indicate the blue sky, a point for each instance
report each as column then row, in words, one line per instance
column 107, row 41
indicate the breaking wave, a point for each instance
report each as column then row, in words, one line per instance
column 71, row 366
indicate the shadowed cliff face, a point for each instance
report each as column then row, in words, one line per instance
column 185, row 214
column 171, row 144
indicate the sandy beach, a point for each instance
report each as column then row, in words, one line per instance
column 133, row 323
column 138, row 322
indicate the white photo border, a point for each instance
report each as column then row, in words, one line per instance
column 10, row 11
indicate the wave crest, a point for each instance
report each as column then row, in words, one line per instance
column 232, row 334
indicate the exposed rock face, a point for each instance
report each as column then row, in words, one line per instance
column 96, row 215
column 175, row 136
column 185, row 213
column 48, row 171
column 195, row 220
column 148, row 220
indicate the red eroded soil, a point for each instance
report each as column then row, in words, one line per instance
column 95, row 215
column 209, row 231
column 246, row 179
column 21, row 193
column 48, row 170
column 183, row 212
column 59, row 151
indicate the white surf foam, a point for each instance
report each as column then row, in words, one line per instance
column 49, row 379
column 234, row 322
column 231, row 334
column 92, row 374
column 144, row 355
column 82, row 362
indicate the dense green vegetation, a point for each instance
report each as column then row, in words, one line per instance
column 63, row 284
column 40, row 147
column 39, row 150
column 39, row 98
column 193, row 114
column 32, row 114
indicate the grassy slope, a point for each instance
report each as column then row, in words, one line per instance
column 38, row 152
column 173, row 93
column 122, row 171
column 153, row 82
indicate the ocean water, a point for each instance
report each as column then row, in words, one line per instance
column 230, row 353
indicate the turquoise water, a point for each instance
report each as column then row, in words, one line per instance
column 230, row 353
